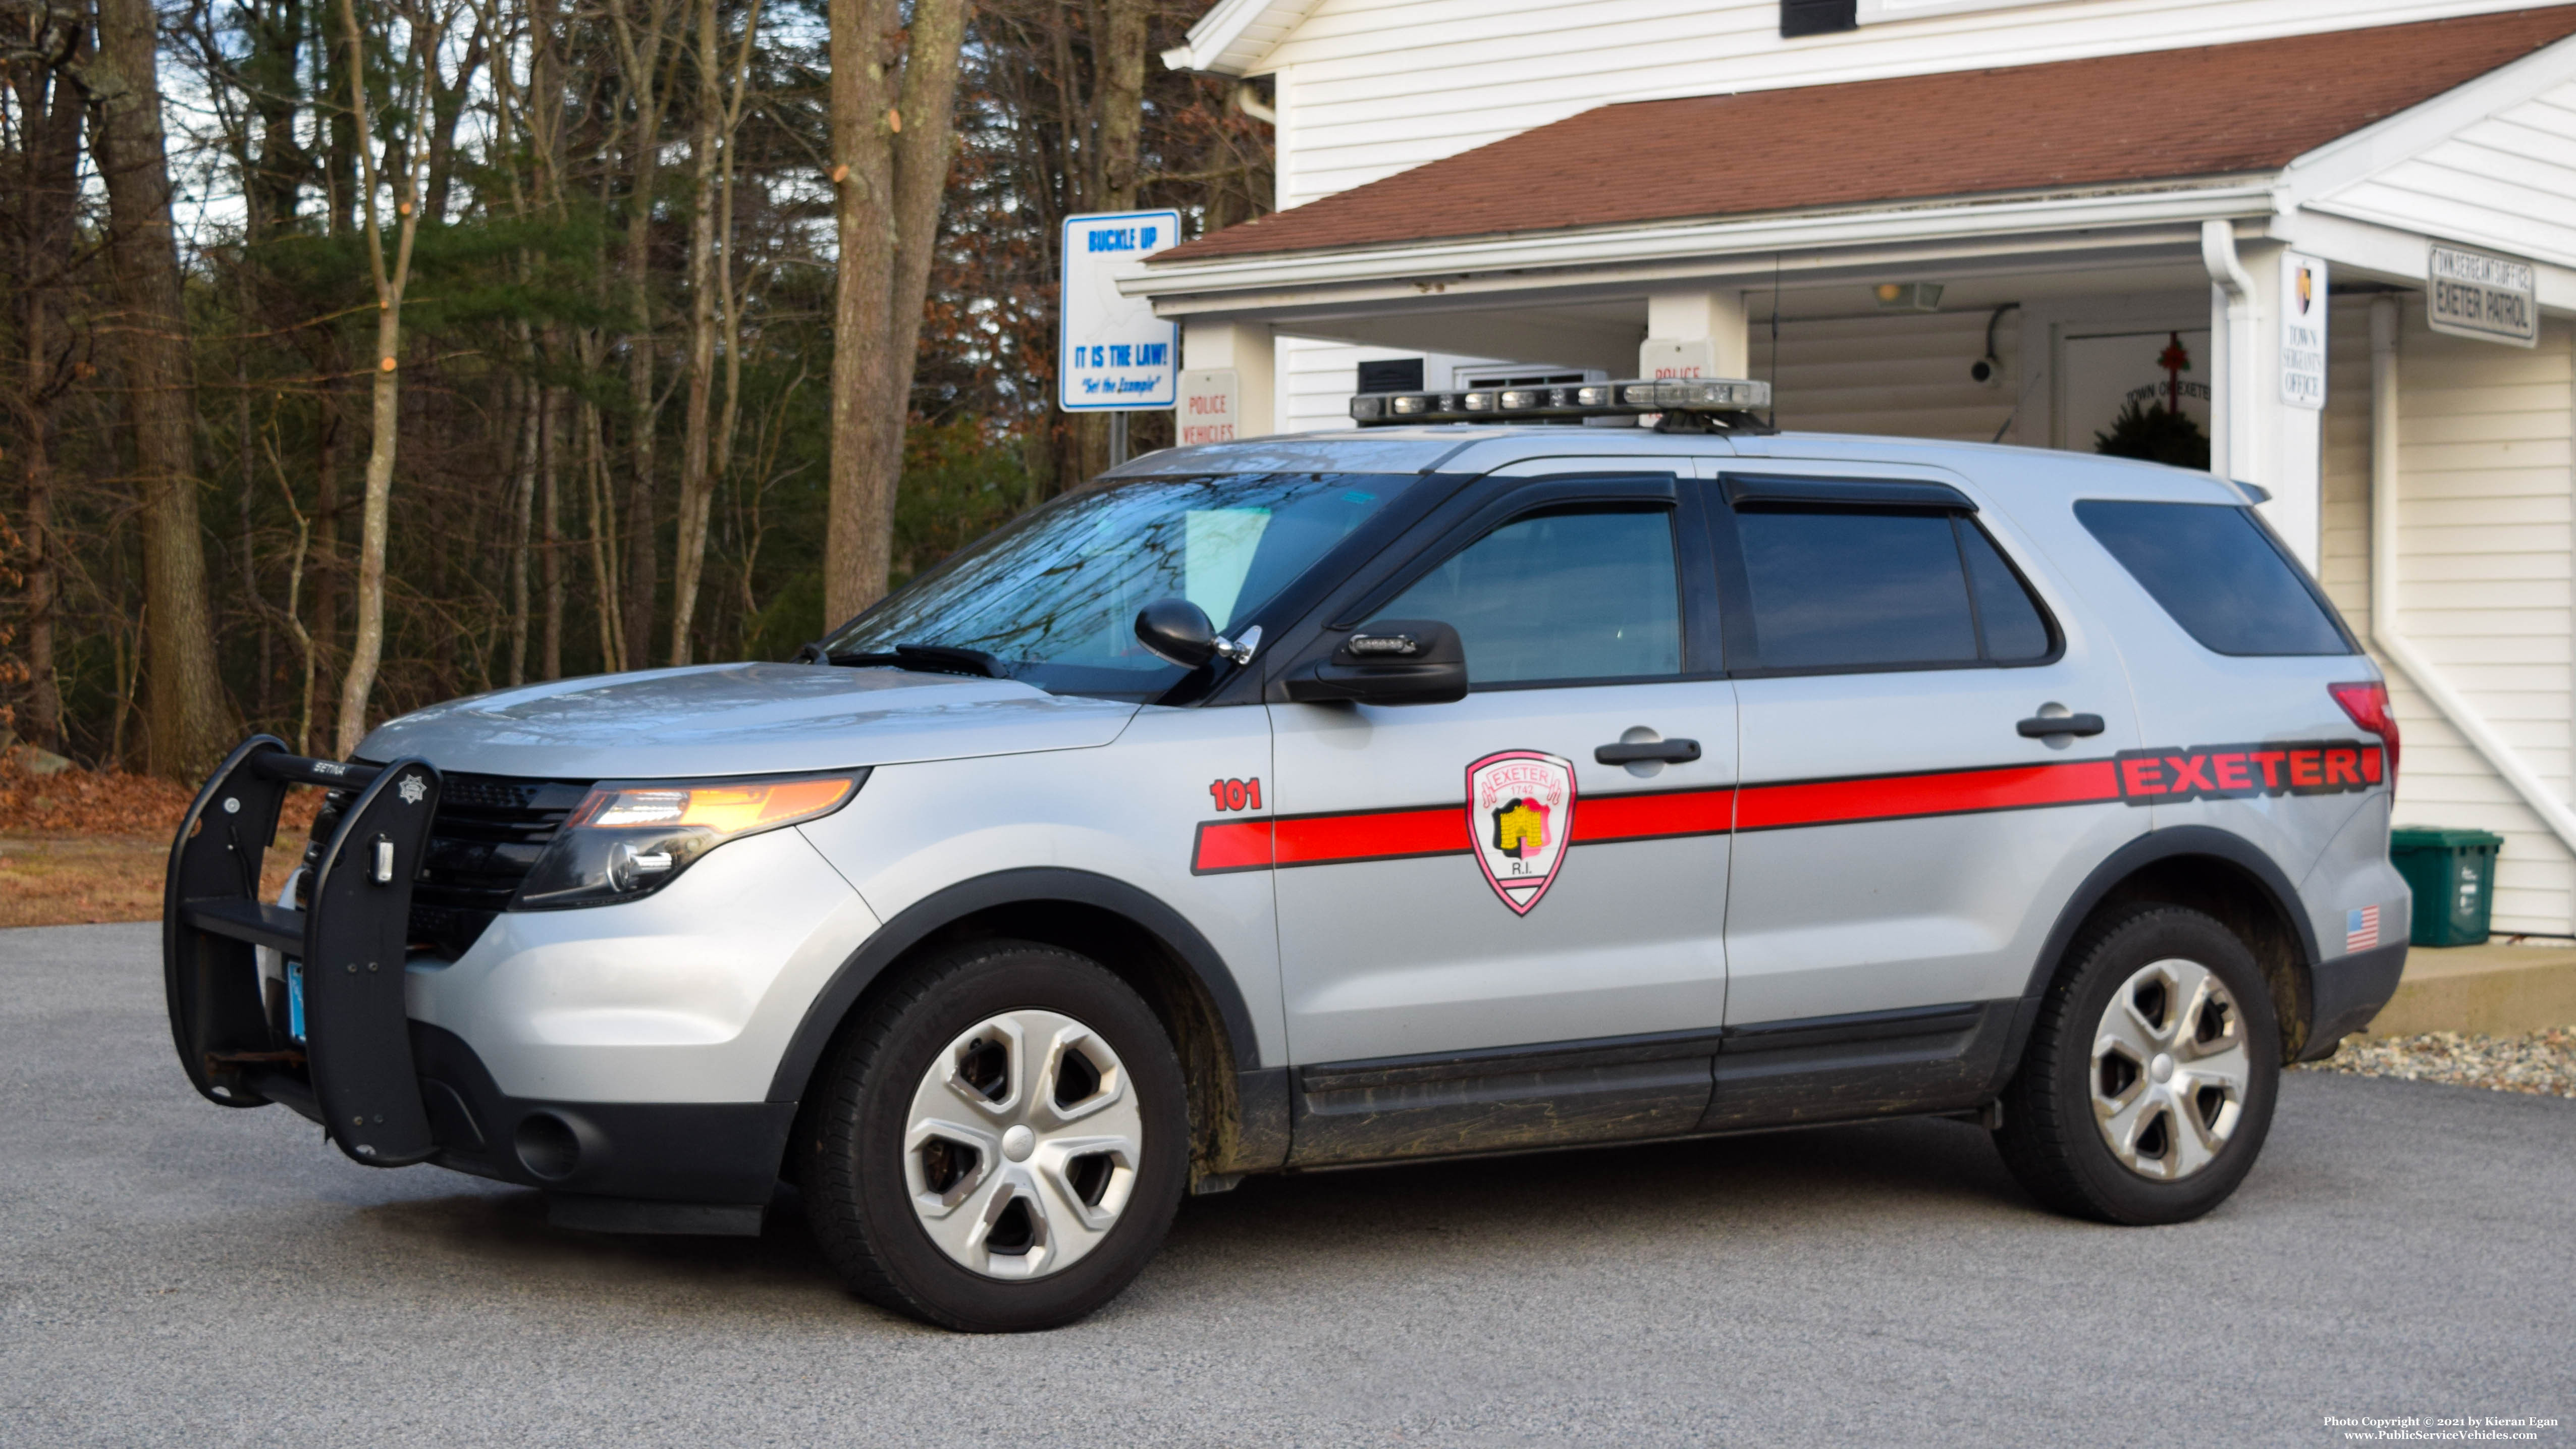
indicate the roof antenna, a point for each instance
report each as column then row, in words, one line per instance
column 1775, row 342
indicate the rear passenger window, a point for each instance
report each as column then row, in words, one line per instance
column 1847, row 588
column 2219, row 574
column 1562, row 596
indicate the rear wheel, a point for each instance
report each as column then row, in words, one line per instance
column 2148, row 1084
column 1001, row 1141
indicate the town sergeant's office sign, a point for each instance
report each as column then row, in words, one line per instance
column 2472, row 294
column 1115, row 354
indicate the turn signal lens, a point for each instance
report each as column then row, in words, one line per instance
column 2367, row 703
column 628, row 840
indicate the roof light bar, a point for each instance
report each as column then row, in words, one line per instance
column 1684, row 404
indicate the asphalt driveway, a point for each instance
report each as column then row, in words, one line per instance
column 175, row 1273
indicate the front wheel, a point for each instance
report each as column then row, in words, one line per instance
column 1000, row 1142
column 2148, row 1084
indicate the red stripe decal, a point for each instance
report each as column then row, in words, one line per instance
column 1600, row 818
column 1230, row 845
column 2012, row 787
column 1382, row 835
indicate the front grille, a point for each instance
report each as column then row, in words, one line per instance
column 487, row 835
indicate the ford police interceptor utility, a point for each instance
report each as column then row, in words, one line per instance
column 1311, row 801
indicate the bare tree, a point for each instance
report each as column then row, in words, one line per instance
column 893, row 96
column 710, row 303
column 46, row 44
column 408, row 159
column 191, row 720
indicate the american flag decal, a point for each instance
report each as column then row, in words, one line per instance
column 2361, row 929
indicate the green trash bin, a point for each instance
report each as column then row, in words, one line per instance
column 2452, row 873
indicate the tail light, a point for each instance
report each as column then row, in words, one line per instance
column 2367, row 703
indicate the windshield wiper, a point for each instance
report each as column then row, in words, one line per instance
column 925, row 659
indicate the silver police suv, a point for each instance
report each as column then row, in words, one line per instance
column 1354, row 798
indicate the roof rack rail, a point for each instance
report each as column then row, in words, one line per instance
column 1676, row 404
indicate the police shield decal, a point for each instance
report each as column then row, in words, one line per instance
column 1520, row 814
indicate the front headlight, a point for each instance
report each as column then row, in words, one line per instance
column 627, row 840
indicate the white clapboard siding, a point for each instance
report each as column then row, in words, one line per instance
column 1317, row 378
column 2487, row 529
column 1368, row 88
column 1894, row 374
column 2508, row 181
column 1899, row 374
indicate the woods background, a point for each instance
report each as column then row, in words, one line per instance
column 358, row 354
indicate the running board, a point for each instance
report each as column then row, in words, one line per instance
column 356, row 1075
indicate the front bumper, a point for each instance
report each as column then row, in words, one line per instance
column 601, row 1078
column 715, row 1153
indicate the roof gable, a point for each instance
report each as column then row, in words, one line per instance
column 2141, row 119
column 1237, row 35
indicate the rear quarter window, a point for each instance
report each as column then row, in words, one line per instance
column 2220, row 574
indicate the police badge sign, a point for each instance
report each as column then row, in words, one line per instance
column 1520, row 814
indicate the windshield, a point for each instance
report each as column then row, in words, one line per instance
column 1053, row 598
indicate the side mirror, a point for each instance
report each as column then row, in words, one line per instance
column 1391, row 661
column 1180, row 631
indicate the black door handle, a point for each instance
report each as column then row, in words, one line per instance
column 1671, row 752
column 2040, row 727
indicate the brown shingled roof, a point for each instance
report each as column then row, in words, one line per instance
column 2157, row 116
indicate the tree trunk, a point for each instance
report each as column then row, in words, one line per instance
column 327, row 592
column 1120, row 78
column 703, row 457
column 47, row 203
column 549, row 451
column 640, row 57
column 191, row 721
column 523, row 493
column 367, row 645
column 891, row 144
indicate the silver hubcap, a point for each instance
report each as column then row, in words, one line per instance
column 1023, row 1145
column 2169, row 1070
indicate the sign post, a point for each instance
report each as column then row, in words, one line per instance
column 1113, row 355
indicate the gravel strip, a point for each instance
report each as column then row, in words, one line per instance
column 2542, row 1063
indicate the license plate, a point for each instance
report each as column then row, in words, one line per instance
column 295, row 999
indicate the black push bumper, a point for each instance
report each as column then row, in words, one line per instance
column 387, row 1090
column 352, row 1072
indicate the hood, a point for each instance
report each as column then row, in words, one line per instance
column 741, row 719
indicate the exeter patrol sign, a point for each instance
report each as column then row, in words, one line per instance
column 1114, row 353
column 2472, row 294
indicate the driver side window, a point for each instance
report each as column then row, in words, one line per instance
column 1577, row 594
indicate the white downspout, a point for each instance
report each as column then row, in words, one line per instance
column 2383, row 588
column 1248, row 101
column 2232, row 452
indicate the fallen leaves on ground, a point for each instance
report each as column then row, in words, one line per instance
column 87, row 846
column 2542, row 1063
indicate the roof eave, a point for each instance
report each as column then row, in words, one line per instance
column 1766, row 234
column 1236, row 36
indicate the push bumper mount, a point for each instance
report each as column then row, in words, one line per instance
column 352, row 1070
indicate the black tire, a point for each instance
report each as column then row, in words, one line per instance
column 2050, row 1136
column 857, row 1195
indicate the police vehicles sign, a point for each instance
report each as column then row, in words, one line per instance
column 1115, row 354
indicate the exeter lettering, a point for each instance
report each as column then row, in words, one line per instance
column 2141, row 776
column 2238, row 772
